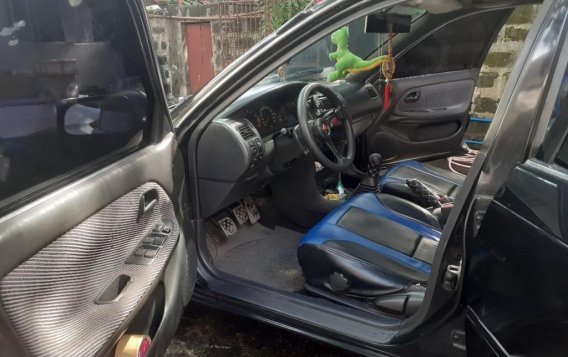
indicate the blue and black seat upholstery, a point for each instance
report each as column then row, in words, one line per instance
column 442, row 181
column 374, row 247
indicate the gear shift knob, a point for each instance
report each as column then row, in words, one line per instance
column 370, row 183
column 374, row 165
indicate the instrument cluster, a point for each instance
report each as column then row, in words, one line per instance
column 269, row 119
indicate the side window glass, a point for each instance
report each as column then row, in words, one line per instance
column 557, row 128
column 73, row 88
column 451, row 48
column 438, row 53
column 562, row 157
column 496, row 70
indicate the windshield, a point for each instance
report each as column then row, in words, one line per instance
column 314, row 62
column 195, row 40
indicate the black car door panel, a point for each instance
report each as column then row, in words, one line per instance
column 91, row 239
column 514, row 289
column 425, row 100
column 69, row 285
column 428, row 117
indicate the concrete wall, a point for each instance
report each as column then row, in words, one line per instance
column 168, row 36
column 497, row 67
column 240, row 29
column 233, row 38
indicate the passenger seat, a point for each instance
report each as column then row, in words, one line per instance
column 441, row 181
column 375, row 249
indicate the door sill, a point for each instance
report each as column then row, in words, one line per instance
column 312, row 316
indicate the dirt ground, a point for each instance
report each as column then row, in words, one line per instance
column 204, row 332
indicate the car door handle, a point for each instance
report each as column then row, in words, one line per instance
column 148, row 201
column 114, row 291
column 412, row 97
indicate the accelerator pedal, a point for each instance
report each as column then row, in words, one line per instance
column 252, row 211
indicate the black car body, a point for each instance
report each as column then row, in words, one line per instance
column 104, row 222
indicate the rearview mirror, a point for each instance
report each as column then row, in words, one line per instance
column 382, row 23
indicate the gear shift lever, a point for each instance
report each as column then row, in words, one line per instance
column 370, row 183
column 374, row 165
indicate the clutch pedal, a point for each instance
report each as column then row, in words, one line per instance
column 227, row 225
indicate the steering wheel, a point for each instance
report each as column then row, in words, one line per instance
column 317, row 131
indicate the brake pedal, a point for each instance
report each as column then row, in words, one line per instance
column 240, row 213
column 252, row 211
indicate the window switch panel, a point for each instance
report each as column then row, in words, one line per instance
column 143, row 255
column 165, row 227
column 150, row 253
column 159, row 240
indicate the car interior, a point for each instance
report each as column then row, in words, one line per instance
column 270, row 165
column 332, row 194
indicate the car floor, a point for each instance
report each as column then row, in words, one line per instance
column 259, row 253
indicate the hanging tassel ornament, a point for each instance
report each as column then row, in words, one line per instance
column 388, row 68
column 386, row 98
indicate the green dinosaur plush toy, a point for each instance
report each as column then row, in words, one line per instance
column 347, row 62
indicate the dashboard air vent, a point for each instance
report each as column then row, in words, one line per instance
column 372, row 92
column 245, row 131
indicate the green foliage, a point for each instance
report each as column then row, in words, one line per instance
column 280, row 11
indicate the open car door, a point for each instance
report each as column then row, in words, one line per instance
column 514, row 293
column 91, row 238
column 437, row 66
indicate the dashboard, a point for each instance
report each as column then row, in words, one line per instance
column 244, row 148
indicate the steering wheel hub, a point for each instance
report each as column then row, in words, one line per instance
column 319, row 131
column 325, row 128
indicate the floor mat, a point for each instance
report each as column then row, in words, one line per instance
column 260, row 254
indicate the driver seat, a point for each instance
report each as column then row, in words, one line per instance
column 374, row 248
